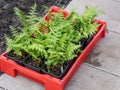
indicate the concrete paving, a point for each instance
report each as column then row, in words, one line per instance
column 101, row 70
column 107, row 54
column 18, row 83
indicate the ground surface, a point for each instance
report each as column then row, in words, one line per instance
column 101, row 70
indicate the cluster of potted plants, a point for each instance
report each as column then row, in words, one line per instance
column 51, row 46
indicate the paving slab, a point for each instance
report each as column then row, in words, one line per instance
column 86, row 78
column 106, row 54
column 18, row 83
column 111, row 8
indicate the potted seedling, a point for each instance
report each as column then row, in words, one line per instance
column 67, row 33
column 51, row 46
column 19, row 45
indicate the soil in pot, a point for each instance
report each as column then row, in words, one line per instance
column 40, row 66
column 17, row 58
column 57, row 71
column 32, row 64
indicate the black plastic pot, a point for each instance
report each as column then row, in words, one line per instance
column 88, row 39
column 32, row 67
column 85, row 41
column 69, row 64
column 26, row 64
column 15, row 59
column 82, row 43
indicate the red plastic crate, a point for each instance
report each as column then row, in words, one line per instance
column 51, row 83
column 55, row 9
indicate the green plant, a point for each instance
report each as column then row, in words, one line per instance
column 66, row 32
column 21, row 40
column 84, row 23
column 61, row 40
column 60, row 43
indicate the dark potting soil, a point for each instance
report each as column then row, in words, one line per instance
column 17, row 58
column 40, row 66
column 56, row 71
column 35, row 63
column 32, row 64
column 8, row 17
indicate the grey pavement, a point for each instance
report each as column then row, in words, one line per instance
column 101, row 69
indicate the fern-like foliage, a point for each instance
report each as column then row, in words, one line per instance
column 60, row 43
column 21, row 40
column 84, row 23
